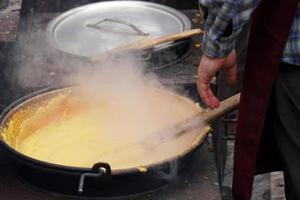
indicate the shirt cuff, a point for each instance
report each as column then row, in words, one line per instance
column 218, row 49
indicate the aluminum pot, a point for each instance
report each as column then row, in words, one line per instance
column 92, row 29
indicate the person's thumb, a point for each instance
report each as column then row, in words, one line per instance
column 230, row 74
column 230, row 67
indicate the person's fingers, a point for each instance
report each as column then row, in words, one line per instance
column 203, row 82
column 203, row 90
column 209, row 99
column 206, row 71
column 214, row 101
column 206, row 94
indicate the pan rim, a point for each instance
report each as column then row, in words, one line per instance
column 4, row 116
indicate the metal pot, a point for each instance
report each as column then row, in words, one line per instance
column 95, row 28
column 99, row 180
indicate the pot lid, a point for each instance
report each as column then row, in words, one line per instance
column 95, row 28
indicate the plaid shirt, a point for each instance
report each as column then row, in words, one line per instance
column 291, row 52
column 224, row 20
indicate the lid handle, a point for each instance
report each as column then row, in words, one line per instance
column 118, row 21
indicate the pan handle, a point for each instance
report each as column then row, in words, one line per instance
column 118, row 21
column 98, row 170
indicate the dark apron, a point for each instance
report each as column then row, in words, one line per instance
column 255, row 148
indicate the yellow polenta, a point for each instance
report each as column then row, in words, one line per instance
column 71, row 131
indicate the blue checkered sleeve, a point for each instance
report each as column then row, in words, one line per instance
column 223, row 22
column 291, row 52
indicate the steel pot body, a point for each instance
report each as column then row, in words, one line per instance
column 99, row 180
column 92, row 29
column 65, row 181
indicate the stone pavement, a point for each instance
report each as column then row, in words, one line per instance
column 266, row 187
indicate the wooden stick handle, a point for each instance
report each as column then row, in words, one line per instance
column 147, row 43
column 151, row 42
column 225, row 106
column 194, row 122
column 200, row 118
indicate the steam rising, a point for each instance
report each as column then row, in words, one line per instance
column 120, row 78
column 39, row 64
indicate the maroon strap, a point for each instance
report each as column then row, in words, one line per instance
column 269, row 32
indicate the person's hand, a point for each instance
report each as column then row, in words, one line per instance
column 207, row 69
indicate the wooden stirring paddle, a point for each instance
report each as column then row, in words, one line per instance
column 197, row 121
column 145, row 44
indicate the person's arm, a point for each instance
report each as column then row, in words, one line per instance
column 223, row 22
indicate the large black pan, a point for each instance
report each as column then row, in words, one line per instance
column 98, row 180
